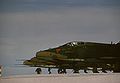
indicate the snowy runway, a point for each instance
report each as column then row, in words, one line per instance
column 64, row 78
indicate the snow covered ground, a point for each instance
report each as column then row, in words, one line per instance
column 63, row 78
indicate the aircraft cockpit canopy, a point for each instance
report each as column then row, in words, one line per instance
column 75, row 43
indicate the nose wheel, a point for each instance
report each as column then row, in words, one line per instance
column 38, row 70
column 60, row 71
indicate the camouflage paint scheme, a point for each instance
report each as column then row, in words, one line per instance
column 78, row 55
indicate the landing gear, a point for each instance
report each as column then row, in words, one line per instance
column 103, row 70
column 38, row 70
column 95, row 70
column 49, row 70
column 64, row 71
column 85, row 71
column 75, row 70
column 60, row 71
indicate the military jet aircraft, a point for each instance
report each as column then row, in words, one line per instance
column 78, row 55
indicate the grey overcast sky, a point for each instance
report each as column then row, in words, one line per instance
column 27, row 26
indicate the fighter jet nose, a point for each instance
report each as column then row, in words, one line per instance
column 27, row 62
column 43, row 54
